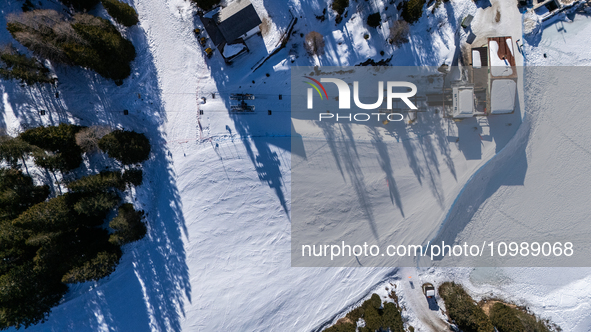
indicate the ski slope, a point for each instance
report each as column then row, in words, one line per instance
column 217, row 189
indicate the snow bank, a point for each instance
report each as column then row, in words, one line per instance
column 231, row 50
column 532, row 24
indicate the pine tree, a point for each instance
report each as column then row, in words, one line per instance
column 128, row 225
column 15, row 65
column 18, row 193
column 97, row 268
column 13, row 149
column 82, row 5
column 86, row 41
column 133, row 176
column 128, row 147
column 121, row 12
column 27, row 295
column 374, row 20
column 340, row 5
column 98, row 182
column 45, row 244
column 59, row 142
column 412, row 10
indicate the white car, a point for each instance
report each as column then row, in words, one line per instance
column 428, row 290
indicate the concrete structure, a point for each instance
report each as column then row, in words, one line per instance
column 462, row 101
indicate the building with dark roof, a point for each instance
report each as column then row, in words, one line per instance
column 232, row 24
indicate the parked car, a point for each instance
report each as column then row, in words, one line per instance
column 428, row 290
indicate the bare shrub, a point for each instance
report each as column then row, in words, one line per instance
column 41, row 48
column 41, row 20
column 88, row 19
column 39, row 30
column 399, row 32
column 265, row 26
column 314, row 43
column 88, row 138
column 66, row 34
column 498, row 16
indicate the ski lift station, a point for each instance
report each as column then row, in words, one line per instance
column 503, row 75
column 492, row 85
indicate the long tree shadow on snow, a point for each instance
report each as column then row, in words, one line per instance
column 253, row 130
column 423, row 142
column 148, row 289
column 266, row 161
column 341, row 142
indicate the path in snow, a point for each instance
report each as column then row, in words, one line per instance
column 426, row 310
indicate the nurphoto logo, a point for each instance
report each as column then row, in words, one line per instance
column 344, row 98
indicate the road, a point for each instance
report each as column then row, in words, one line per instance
column 426, row 311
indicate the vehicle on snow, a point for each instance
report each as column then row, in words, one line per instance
column 428, row 290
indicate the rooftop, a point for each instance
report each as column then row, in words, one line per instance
column 231, row 22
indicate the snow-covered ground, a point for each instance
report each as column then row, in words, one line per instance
column 217, row 189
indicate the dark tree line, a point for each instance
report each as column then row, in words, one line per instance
column 84, row 40
column 15, row 65
column 378, row 316
column 120, row 11
column 49, row 242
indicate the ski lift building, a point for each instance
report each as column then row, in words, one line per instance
column 502, row 75
column 232, row 25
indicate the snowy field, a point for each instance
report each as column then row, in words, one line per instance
column 217, row 188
